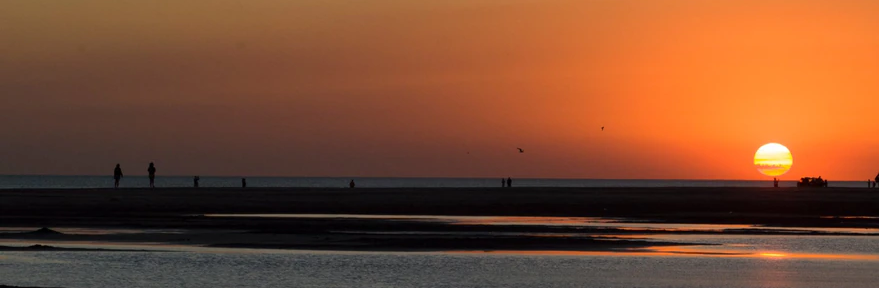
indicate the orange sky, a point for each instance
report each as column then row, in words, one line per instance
column 686, row 89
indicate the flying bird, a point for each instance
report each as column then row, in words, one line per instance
column 521, row 150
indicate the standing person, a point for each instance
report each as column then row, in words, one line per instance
column 243, row 182
column 195, row 181
column 152, row 172
column 775, row 182
column 503, row 182
column 351, row 184
column 509, row 182
column 117, row 175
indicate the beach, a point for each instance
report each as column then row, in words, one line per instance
column 222, row 217
column 726, row 205
column 308, row 232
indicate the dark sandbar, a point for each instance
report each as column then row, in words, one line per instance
column 178, row 208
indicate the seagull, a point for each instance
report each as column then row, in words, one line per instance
column 521, row 150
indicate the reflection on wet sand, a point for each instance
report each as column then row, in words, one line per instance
column 424, row 233
column 623, row 224
column 849, row 217
column 680, row 251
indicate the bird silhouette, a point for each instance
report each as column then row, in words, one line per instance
column 602, row 128
column 521, row 150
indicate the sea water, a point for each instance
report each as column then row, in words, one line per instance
column 198, row 268
column 73, row 182
column 705, row 260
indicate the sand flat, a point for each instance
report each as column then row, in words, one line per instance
column 183, row 210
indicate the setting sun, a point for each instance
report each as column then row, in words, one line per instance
column 773, row 159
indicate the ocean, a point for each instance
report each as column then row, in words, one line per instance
column 80, row 182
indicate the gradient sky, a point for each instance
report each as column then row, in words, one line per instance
column 686, row 89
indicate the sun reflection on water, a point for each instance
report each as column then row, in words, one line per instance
column 680, row 251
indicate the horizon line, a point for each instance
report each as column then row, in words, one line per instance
column 413, row 177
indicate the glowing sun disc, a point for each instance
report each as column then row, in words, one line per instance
column 773, row 159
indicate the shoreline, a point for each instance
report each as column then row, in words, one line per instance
column 145, row 210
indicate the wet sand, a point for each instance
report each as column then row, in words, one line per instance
column 700, row 205
column 182, row 209
column 49, row 248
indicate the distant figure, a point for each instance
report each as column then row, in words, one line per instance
column 521, row 150
column 152, row 172
column 195, row 181
column 351, row 184
column 503, row 182
column 117, row 175
column 243, row 182
column 509, row 182
column 602, row 128
column 775, row 182
column 875, row 180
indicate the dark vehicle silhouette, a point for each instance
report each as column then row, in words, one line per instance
column 812, row 182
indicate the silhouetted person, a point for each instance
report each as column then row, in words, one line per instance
column 117, row 175
column 503, row 182
column 351, row 184
column 775, row 182
column 243, row 182
column 509, row 182
column 152, row 172
column 826, row 182
column 195, row 181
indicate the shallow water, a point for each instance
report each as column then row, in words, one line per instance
column 716, row 261
column 273, row 268
column 593, row 222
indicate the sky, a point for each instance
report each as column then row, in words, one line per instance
column 439, row 88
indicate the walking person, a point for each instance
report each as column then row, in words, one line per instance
column 117, row 175
column 195, row 181
column 503, row 182
column 152, row 173
column 243, row 182
column 351, row 184
column 509, row 182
